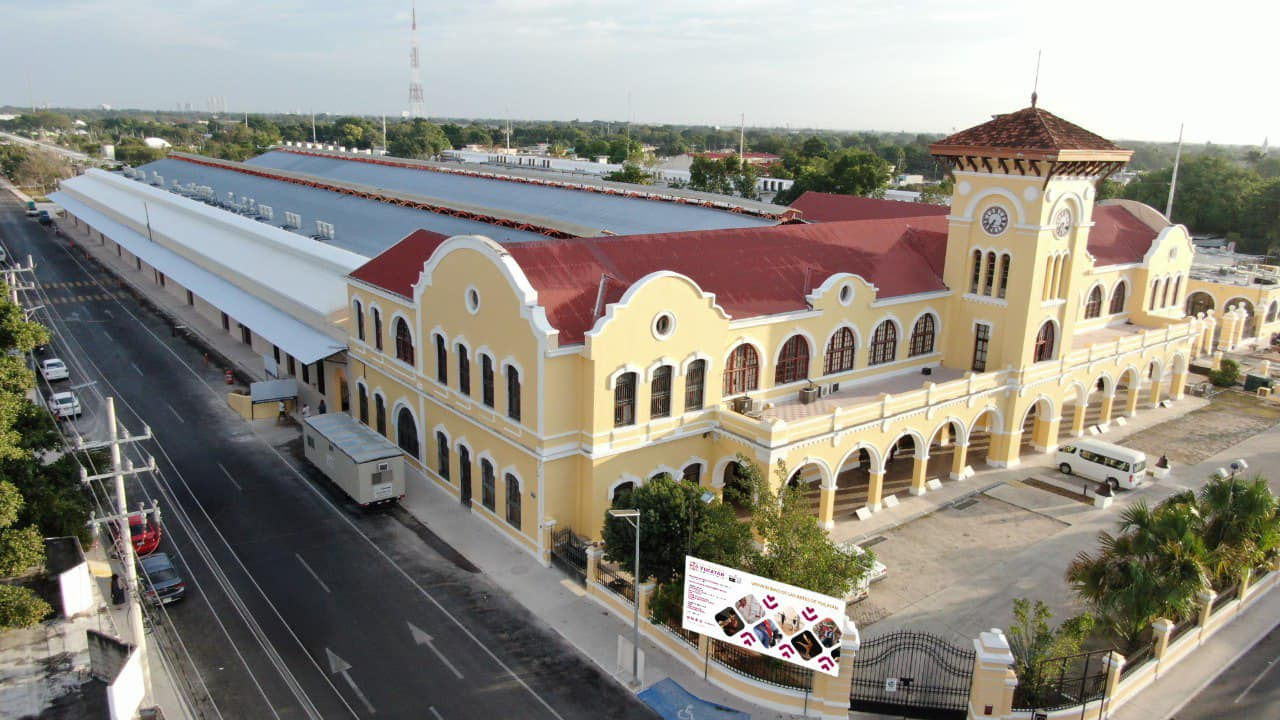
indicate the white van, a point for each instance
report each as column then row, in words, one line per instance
column 1118, row 467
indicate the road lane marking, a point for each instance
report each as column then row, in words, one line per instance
column 137, row 369
column 1256, row 680
column 435, row 712
column 230, row 477
column 307, row 567
column 338, row 666
column 422, row 638
column 107, row 335
column 175, row 412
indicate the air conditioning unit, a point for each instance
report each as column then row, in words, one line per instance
column 742, row 405
column 809, row 394
column 382, row 467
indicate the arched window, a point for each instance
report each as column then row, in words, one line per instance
column 513, row 501
column 513, row 393
column 695, row 383
column 660, row 393
column 357, row 319
column 380, row 414
column 884, row 343
column 1198, row 302
column 1093, row 306
column 990, row 278
column 1005, row 261
column 464, row 370
column 977, row 272
column 1117, row 299
column 407, row 432
column 486, row 379
column 487, row 490
column 624, row 400
column 362, row 403
column 692, row 473
column 464, row 469
column 1155, row 292
column 1177, row 288
column 1272, row 310
column 377, row 328
column 840, row 351
column 442, row 455
column 742, row 371
column 793, row 362
column 404, row 342
column 1164, row 295
column 620, row 491
column 922, row 336
column 442, row 361
column 1044, row 343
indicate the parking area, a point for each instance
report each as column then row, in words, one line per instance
column 957, row 570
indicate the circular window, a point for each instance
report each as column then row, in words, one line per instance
column 473, row 300
column 663, row 325
column 846, row 294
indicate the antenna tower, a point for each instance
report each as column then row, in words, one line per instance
column 415, row 78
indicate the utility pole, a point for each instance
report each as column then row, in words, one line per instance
column 313, row 126
column 742, row 139
column 1173, row 181
column 118, row 472
column 11, row 279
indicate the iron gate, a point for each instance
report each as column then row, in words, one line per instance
column 569, row 552
column 912, row 674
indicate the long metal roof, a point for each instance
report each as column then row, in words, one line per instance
column 362, row 226
column 360, row 442
column 613, row 213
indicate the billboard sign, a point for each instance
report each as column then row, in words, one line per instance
column 772, row 618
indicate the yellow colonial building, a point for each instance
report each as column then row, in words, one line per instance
column 876, row 350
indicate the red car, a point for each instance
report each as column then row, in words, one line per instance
column 145, row 531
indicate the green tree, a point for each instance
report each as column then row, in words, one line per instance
column 797, row 550
column 416, row 139
column 1227, row 374
column 847, row 172
column 1038, row 648
column 1211, row 193
column 631, row 173
column 1241, row 527
column 674, row 522
column 1153, row 568
column 1261, row 216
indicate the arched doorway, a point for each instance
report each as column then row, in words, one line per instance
column 853, row 481
column 1038, row 431
column 980, row 435
column 1198, row 302
column 1250, row 321
column 344, row 393
column 1128, row 389
column 947, row 458
column 900, row 464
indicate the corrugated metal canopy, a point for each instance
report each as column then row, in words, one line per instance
column 617, row 215
column 361, row 226
column 292, row 335
column 273, row 390
column 359, row 442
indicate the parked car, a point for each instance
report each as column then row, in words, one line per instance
column 44, row 218
column 145, row 531
column 53, row 369
column 1119, row 467
column 64, row 405
column 161, row 583
column 4, row 256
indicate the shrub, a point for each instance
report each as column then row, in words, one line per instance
column 20, row 607
column 1226, row 375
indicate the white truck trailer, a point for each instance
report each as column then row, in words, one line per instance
column 366, row 465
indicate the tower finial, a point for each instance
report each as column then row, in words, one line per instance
column 1036, row 84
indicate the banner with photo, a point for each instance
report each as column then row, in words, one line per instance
column 771, row 618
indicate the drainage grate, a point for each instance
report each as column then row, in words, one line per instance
column 964, row 504
column 873, row 541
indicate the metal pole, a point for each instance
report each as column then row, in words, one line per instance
column 136, row 628
column 635, row 611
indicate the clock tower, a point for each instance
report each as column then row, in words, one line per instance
column 1025, row 184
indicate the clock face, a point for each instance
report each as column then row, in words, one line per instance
column 1062, row 223
column 995, row 220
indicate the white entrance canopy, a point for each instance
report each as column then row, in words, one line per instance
column 273, row 390
column 295, row 337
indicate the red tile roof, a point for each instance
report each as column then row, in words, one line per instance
column 828, row 207
column 397, row 268
column 1030, row 128
column 1118, row 237
column 786, row 263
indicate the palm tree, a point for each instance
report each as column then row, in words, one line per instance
column 1241, row 527
column 1153, row 568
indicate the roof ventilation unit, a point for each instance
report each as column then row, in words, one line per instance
column 324, row 231
column 265, row 213
column 292, row 221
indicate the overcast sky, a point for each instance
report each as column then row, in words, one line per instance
column 1122, row 68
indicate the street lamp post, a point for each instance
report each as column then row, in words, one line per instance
column 633, row 518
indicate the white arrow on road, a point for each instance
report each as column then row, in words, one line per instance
column 338, row 666
column 422, row 638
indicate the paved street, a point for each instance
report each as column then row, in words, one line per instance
column 299, row 605
column 1250, row 688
